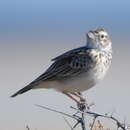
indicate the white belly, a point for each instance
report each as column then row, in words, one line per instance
column 77, row 84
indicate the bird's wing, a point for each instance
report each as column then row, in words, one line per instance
column 65, row 66
column 70, row 53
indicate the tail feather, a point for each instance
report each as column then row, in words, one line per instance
column 23, row 90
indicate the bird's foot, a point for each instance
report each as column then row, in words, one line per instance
column 80, row 100
column 82, row 104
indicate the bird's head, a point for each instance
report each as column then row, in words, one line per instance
column 98, row 39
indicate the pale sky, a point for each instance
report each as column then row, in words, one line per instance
column 34, row 32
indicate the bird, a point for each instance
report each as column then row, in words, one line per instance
column 77, row 70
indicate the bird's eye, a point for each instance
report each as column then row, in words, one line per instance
column 102, row 36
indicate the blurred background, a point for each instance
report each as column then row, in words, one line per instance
column 32, row 32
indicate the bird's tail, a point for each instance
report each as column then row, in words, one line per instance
column 23, row 90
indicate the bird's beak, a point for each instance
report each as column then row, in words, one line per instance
column 91, row 35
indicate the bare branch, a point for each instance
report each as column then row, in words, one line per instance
column 47, row 108
column 68, row 123
column 79, row 116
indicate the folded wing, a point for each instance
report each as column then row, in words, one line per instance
column 65, row 66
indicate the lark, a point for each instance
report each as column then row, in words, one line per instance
column 79, row 69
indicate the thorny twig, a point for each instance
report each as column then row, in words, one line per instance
column 81, row 119
column 96, row 115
